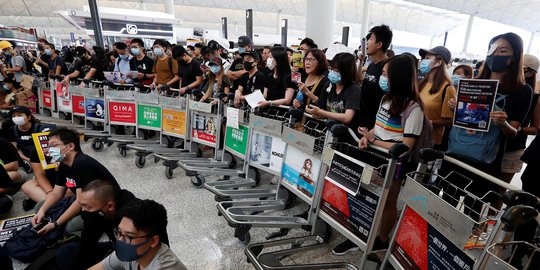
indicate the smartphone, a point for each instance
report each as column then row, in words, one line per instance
column 296, row 77
column 40, row 226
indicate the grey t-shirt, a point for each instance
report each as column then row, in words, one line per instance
column 18, row 61
column 165, row 259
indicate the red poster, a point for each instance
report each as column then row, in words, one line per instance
column 77, row 103
column 123, row 112
column 412, row 241
column 47, row 98
column 61, row 90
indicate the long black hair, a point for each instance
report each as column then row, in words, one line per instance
column 401, row 74
column 344, row 62
column 283, row 68
column 514, row 79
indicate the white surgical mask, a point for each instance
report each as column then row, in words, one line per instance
column 270, row 63
column 18, row 120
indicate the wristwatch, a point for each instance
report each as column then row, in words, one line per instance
column 55, row 223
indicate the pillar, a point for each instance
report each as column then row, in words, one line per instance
column 284, row 26
column 96, row 22
column 345, row 35
column 468, row 33
column 365, row 19
column 224, row 27
column 169, row 8
column 531, row 40
column 249, row 23
column 320, row 21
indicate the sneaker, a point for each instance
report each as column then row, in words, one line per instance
column 275, row 180
column 28, row 204
column 344, row 248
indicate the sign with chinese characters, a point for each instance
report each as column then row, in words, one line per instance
column 149, row 116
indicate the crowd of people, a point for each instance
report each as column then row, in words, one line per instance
column 384, row 98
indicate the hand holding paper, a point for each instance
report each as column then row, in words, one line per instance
column 255, row 98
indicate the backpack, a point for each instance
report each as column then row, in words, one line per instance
column 26, row 246
column 425, row 140
column 476, row 146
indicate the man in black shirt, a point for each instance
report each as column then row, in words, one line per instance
column 75, row 171
column 87, row 67
column 144, row 65
column 237, row 67
column 188, row 69
column 101, row 205
column 250, row 81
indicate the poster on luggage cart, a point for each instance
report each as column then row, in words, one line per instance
column 346, row 172
column 62, row 97
column 77, row 104
column 203, row 128
column 475, row 101
column 418, row 245
column 267, row 152
column 174, row 122
column 354, row 212
column 149, row 116
column 122, row 112
column 46, row 96
column 95, row 108
column 301, row 171
column 10, row 226
column 236, row 139
column 41, row 142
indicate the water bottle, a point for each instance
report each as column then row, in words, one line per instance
column 300, row 96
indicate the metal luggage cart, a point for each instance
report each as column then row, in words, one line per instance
column 298, row 179
column 442, row 219
column 62, row 98
column 494, row 260
column 265, row 152
column 350, row 198
column 47, row 102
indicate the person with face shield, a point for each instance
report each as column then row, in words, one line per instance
column 436, row 90
column 140, row 243
column 101, row 206
column 217, row 82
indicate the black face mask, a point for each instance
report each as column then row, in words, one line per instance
column 92, row 216
column 248, row 65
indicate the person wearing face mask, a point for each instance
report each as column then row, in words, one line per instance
column 21, row 134
column 75, row 171
column 56, row 64
column 315, row 65
column 279, row 88
column 216, row 82
column 18, row 64
column 188, row 69
column 88, row 67
column 7, row 98
column 165, row 69
column 236, row 70
column 340, row 100
column 123, row 64
column 140, row 244
column 141, row 62
column 461, row 72
column 436, row 90
column 503, row 63
column 252, row 80
column 101, row 206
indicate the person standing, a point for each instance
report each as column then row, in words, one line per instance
column 142, row 63
column 188, row 69
column 165, row 69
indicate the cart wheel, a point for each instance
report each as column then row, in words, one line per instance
column 197, row 181
column 140, row 161
column 245, row 239
column 122, row 151
column 169, row 172
column 109, row 143
column 97, row 146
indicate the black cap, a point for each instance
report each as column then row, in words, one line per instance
column 441, row 51
column 80, row 51
column 254, row 54
column 22, row 109
column 214, row 45
column 244, row 41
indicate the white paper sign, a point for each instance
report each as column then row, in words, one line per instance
column 232, row 117
column 254, row 98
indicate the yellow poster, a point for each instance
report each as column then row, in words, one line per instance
column 174, row 122
column 41, row 141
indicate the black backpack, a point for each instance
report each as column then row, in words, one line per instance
column 26, row 246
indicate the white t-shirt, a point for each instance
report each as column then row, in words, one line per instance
column 389, row 128
column 18, row 61
column 164, row 259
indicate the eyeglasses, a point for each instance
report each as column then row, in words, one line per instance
column 310, row 59
column 126, row 238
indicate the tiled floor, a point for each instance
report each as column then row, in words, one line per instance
column 200, row 238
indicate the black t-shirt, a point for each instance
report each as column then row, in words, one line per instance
column 370, row 96
column 267, row 72
column 347, row 99
column 145, row 66
column 24, row 139
column 518, row 107
column 236, row 65
column 84, row 66
column 45, row 58
column 51, row 174
column 8, row 152
column 323, row 85
column 250, row 84
column 84, row 170
column 189, row 72
column 58, row 61
column 276, row 89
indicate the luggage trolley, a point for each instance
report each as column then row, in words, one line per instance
column 62, row 98
column 265, row 152
column 443, row 223
column 350, row 198
column 206, row 129
column 299, row 174
column 95, row 111
column 47, row 102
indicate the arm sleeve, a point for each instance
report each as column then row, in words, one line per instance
column 323, row 98
column 149, row 66
column 446, row 112
column 414, row 123
column 19, row 61
column 175, row 67
column 9, row 152
column 197, row 72
column 352, row 99
column 112, row 262
column 260, row 81
column 60, row 177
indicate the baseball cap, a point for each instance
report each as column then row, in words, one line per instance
column 440, row 51
column 80, row 51
column 5, row 44
column 531, row 61
column 214, row 45
column 254, row 54
column 22, row 109
column 244, row 41
column 215, row 61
